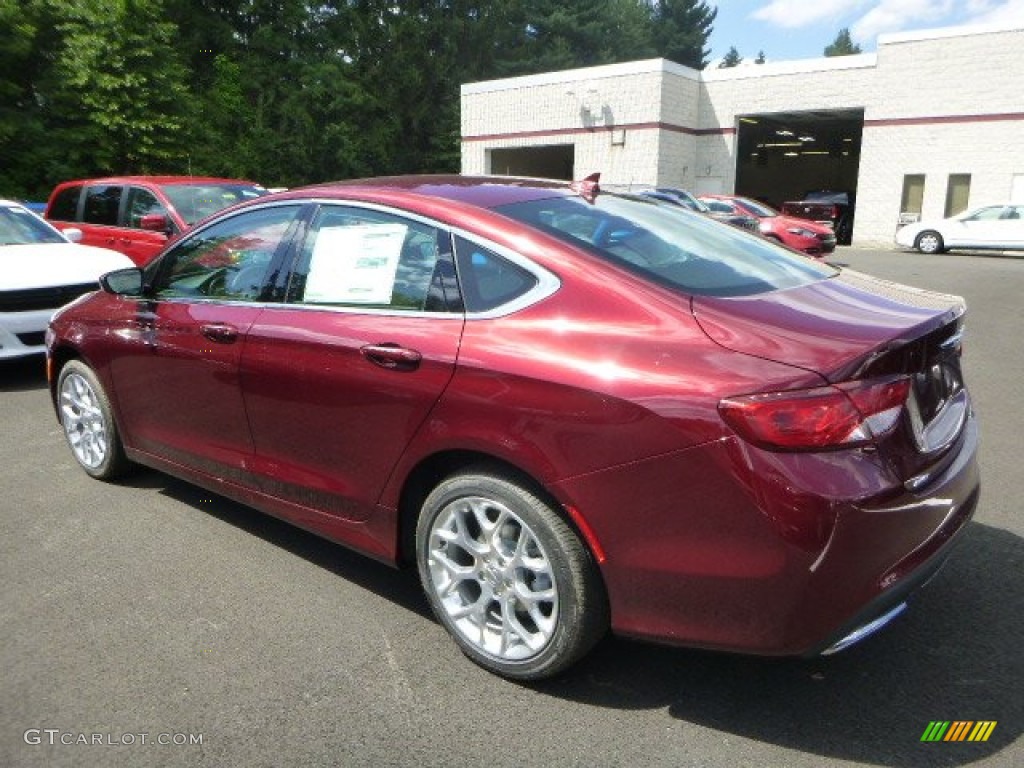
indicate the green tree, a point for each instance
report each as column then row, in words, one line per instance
column 118, row 86
column 562, row 34
column 680, row 30
column 19, row 113
column 287, row 91
column 760, row 58
column 732, row 58
column 843, row 45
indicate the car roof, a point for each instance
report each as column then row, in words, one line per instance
column 159, row 180
column 479, row 191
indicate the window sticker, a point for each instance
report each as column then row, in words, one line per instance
column 355, row 264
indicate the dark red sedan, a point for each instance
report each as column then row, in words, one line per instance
column 572, row 410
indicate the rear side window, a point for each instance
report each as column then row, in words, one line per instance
column 65, row 204
column 488, row 280
column 370, row 259
column 102, row 203
column 670, row 246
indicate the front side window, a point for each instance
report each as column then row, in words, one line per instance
column 141, row 202
column 197, row 201
column 758, row 208
column 101, row 204
column 670, row 246
column 986, row 214
column 365, row 258
column 229, row 260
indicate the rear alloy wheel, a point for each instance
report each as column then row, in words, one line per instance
column 88, row 422
column 929, row 242
column 507, row 576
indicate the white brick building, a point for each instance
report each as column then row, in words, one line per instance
column 931, row 123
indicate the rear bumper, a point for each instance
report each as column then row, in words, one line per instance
column 890, row 602
column 732, row 548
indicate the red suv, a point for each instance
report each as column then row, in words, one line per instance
column 136, row 215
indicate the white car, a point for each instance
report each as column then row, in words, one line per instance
column 998, row 227
column 41, row 269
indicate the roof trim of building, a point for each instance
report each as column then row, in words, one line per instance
column 625, row 69
column 792, row 67
column 941, row 33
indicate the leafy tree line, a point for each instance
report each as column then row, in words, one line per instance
column 287, row 92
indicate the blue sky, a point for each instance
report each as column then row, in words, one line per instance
column 800, row 29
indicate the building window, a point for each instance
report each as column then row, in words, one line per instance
column 913, row 194
column 957, row 192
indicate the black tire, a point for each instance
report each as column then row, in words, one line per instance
column 929, row 242
column 88, row 422
column 518, row 553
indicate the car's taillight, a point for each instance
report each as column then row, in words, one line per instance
column 843, row 415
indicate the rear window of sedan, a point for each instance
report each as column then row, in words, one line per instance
column 673, row 247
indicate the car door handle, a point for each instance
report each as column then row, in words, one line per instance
column 222, row 333
column 392, row 356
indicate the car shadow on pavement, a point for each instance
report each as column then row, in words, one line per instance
column 23, row 374
column 954, row 656
column 399, row 586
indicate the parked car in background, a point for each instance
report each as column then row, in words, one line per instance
column 802, row 235
column 136, row 215
column 998, row 227
column 686, row 200
column 571, row 409
column 834, row 209
column 41, row 269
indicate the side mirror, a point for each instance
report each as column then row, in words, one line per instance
column 74, row 234
column 155, row 222
column 123, row 282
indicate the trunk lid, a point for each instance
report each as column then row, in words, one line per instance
column 855, row 327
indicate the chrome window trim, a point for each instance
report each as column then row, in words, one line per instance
column 547, row 282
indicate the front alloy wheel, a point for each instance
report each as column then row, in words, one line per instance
column 88, row 424
column 507, row 576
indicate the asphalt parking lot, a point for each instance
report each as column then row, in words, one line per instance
column 185, row 630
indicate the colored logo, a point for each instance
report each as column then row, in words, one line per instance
column 959, row 730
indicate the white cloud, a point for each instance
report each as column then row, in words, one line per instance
column 882, row 16
column 793, row 14
column 986, row 12
column 895, row 15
